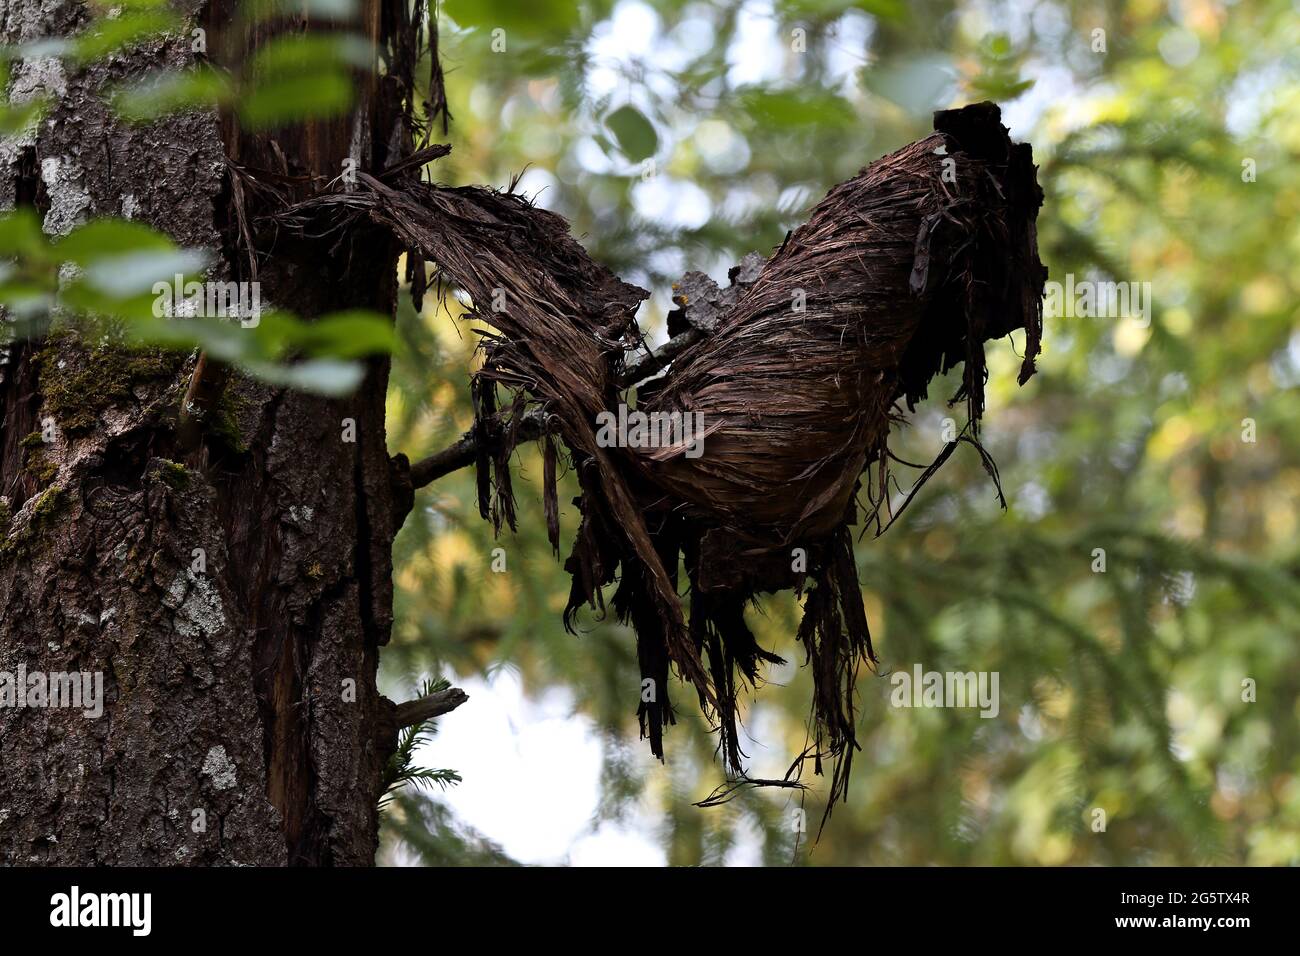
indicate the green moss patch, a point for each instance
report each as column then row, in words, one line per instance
column 91, row 381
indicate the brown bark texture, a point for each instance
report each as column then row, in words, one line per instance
column 234, row 594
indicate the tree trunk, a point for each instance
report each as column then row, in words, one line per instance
column 233, row 594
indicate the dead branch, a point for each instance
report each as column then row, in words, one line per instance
column 465, row 450
column 412, row 712
column 204, row 391
column 656, row 361
column 210, row 376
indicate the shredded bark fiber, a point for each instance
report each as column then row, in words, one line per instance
column 903, row 273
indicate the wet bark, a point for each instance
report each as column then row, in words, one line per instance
column 234, row 594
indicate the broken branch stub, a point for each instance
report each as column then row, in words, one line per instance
column 796, row 369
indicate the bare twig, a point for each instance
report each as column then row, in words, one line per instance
column 464, row 451
column 204, row 391
column 416, row 160
column 730, row 789
column 210, row 376
column 656, row 361
column 413, row 712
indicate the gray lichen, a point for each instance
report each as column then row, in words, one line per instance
column 218, row 765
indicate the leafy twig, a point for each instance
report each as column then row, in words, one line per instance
column 415, row 727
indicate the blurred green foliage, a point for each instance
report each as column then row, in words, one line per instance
column 129, row 283
column 679, row 135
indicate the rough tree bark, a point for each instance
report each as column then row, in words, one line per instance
column 226, row 591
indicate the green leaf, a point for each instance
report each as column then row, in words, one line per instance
column 21, row 235
column 634, row 133
column 998, row 88
column 223, row 340
column 312, row 53
column 331, row 377
column 999, row 78
column 885, row 9
column 105, row 7
column 106, row 238
column 998, row 45
column 25, row 300
column 296, row 98
column 130, row 27
column 796, row 108
column 123, row 276
column 171, row 92
column 551, row 19
column 346, row 335
column 19, row 116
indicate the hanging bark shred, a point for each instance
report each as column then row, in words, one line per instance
column 900, row 274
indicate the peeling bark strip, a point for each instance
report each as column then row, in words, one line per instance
column 901, row 273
